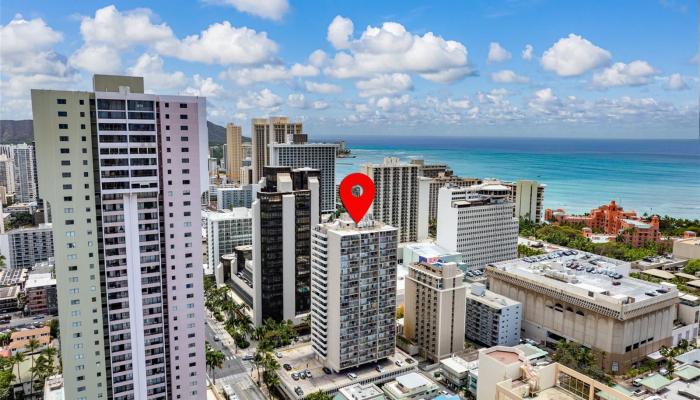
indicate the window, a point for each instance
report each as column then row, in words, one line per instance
column 82, row 102
column 63, row 113
column 183, row 105
column 182, row 127
column 63, row 138
column 60, row 101
column 62, row 126
column 65, row 151
column 183, row 116
column 65, row 162
column 65, row 174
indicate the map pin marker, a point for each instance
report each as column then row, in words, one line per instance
column 355, row 201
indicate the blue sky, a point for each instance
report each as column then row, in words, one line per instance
column 594, row 69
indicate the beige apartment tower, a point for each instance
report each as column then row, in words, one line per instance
column 266, row 131
column 234, row 152
column 435, row 304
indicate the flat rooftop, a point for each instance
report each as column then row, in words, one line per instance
column 234, row 213
column 555, row 393
column 429, row 250
column 583, row 273
column 39, row 280
column 303, row 357
column 491, row 299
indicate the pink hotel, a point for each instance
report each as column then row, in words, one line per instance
column 123, row 172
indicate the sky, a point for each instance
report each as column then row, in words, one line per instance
column 502, row 68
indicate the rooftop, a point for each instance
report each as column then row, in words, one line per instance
column 345, row 226
column 9, row 292
column 234, row 213
column 40, row 280
column 691, row 357
column 531, row 352
column 637, row 223
column 429, row 250
column 477, row 292
column 588, row 275
column 687, row 372
column 360, row 392
column 655, row 382
column 413, row 380
column 458, row 364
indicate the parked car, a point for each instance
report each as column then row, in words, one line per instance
column 398, row 363
column 295, row 376
column 352, row 376
column 298, row 391
column 379, row 368
column 247, row 357
column 287, row 367
column 278, row 354
column 307, row 372
column 327, row 370
column 637, row 382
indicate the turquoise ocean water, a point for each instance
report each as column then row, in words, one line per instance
column 654, row 176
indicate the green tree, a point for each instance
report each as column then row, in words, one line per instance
column 214, row 359
column 31, row 347
column 17, row 359
column 693, row 267
column 318, row 396
column 271, row 365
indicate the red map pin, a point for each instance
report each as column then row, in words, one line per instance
column 356, row 203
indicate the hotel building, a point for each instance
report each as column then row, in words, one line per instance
column 589, row 299
column 286, row 210
column 234, row 152
column 353, row 292
column 267, row 131
column 226, row 230
column 435, row 308
column 479, row 225
column 396, row 197
column 492, row 319
column 123, row 172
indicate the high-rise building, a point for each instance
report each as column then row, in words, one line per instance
column 23, row 171
column 435, row 308
column 479, row 226
column 286, row 209
column 528, row 197
column 7, row 174
column 396, row 197
column 353, row 292
column 226, row 230
column 233, row 197
column 234, row 152
column 320, row 156
column 267, row 131
column 492, row 319
column 28, row 246
column 580, row 297
column 123, row 172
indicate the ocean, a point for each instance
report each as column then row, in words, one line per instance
column 654, row 176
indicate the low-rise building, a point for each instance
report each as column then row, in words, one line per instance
column 8, row 299
column 455, row 371
column 491, row 319
column 688, row 248
column 359, row 391
column 53, row 388
column 428, row 252
column 20, row 338
column 40, row 292
column 413, row 385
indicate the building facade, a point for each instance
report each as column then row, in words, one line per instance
column 353, row 292
column 492, row 319
column 396, row 195
column 528, row 197
column 28, row 246
column 287, row 208
column 123, row 172
column 435, row 308
column 24, row 171
column 479, row 226
column 320, row 156
column 266, row 131
column 7, row 175
column 235, row 197
column 226, row 230
column 234, row 152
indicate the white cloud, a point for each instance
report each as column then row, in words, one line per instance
column 221, row 43
column 204, row 87
column 97, row 59
column 340, row 32
column 150, row 66
column 497, row 53
column 508, row 76
column 677, row 82
column 270, row 73
column 620, row 74
column 390, row 103
column 527, row 52
column 323, row 88
column 263, row 99
column 318, row 58
column 544, row 101
column 123, row 29
column 384, row 85
column 270, row 9
column 298, row 100
column 573, row 56
column 26, row 48
column 391, row 49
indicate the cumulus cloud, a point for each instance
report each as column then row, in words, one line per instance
column 508, row 76
column 204, row 87
column 298, row 100
column 270, row 73
column 635, row 73
column 270, row 9
column 384, row 85
column 497, row 53
column 27, row 48
column 150, row 66
column 263, row 99
column 97, row 59
column 340, row 32
column 573, row 56
column 527, row 52
column 220, row 43
column 676, row 82
column 391, row 49
column 321, row 87
column 544, row 101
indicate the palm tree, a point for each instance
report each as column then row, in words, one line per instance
column 214, row 359
column 17, row 359
column 318, row 396
column 271, row 365
column 31, row 347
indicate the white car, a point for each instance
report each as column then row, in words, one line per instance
column 278, row 354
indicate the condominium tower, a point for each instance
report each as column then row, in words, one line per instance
column 396, row 196
column 353, row 292
column 478, row 224
column 24, row 172
column 123, row 172
column 226, row 230
column 492, row 319
column 266, row 131
column 234, row 152
column 435, row 308
column 320, row 156
column 286, row 209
